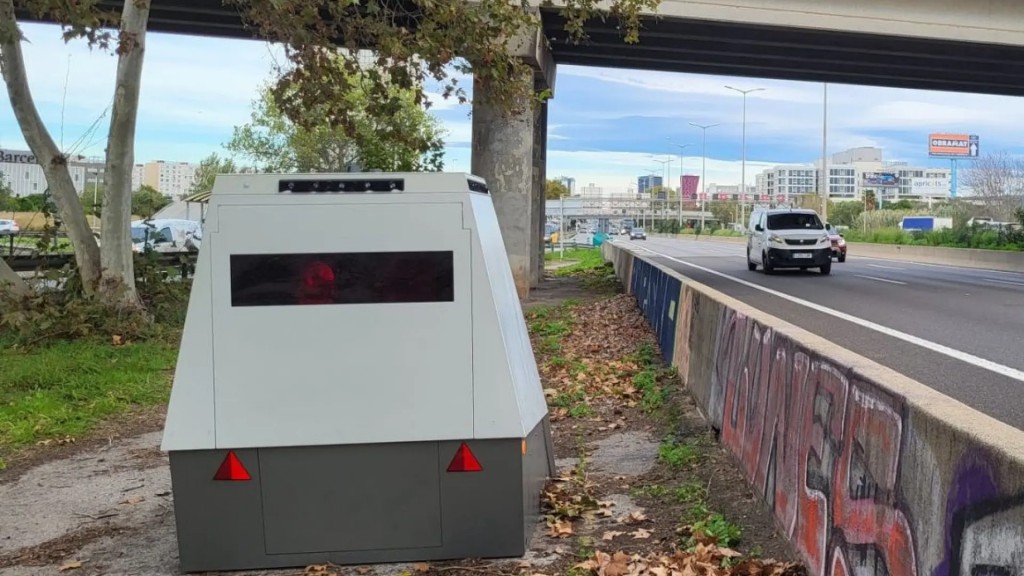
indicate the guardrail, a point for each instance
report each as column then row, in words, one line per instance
column 864, row 468
column 55, row 261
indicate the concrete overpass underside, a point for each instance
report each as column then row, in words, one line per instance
column 975, row 46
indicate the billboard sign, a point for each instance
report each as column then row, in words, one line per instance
column 17, row 157
column 688, row 184
column 943, row 145
column 929, row 186
column 881, row 179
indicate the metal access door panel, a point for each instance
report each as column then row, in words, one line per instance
column 347, row 498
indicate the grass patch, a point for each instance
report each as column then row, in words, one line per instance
column 589, row 266
column 678, row 455
column 66, row 388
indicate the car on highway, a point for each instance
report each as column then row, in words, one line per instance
column 637, row 234
column 788, row 238
column 835, row 238
column 9, row 228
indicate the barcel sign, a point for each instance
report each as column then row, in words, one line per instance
column 17, row 157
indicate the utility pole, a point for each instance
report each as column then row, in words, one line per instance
column 743, row 169
column 824, row 153
column 703, row 167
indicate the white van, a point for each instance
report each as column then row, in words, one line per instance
column 788, row 238
column 167, row 235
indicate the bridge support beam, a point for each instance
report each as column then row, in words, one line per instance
column 505, row 154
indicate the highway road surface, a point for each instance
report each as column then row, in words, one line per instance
column 957, row 330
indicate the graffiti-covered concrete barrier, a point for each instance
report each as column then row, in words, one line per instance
column 866, row 470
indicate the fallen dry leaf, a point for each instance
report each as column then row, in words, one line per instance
column 133, row 499
column 70, row 565
column 728, row 552
column 317, row 569
column 640, row 534
column 421, row 567
column 611, row 534
column 560, row 529
column 634, row 517
column 118, row 340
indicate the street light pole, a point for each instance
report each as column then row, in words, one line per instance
column 743, row 169
column 681, row 148
column 824, row 153
column 703, row 167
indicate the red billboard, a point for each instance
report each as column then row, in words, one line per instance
column 688, row 184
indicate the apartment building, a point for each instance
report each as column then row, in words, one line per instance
column 854, row 172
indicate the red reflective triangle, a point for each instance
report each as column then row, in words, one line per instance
column 231, row 469
column 464, row 461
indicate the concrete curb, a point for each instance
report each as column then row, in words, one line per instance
column 857, row 454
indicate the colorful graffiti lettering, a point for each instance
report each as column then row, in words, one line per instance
column 823, row 449
column 984, row 531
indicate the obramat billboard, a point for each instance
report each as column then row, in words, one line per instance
column 945, row 145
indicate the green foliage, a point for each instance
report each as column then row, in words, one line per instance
column 725, row 212
column 207, row 173
column 147, row 201
column 413, row 41
column 555, row 189
column 49, row 315
column 407, row 139
column 677, row 455
column 30, row 203
column 715, row 527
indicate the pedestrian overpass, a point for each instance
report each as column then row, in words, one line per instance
column 967, row 46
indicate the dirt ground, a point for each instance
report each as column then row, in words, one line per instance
column 643, row 487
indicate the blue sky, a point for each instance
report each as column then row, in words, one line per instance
column 605, row 126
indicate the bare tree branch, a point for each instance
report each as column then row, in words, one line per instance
column 998, row 181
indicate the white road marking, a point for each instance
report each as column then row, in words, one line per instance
column 1010, row 282
column 881, row 279
column 885, row 267
column 927, row 344
column 948, row 266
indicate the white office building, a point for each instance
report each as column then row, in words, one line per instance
column 22, row 172
column 851, row 174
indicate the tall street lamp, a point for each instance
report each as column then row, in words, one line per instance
column 681, row 148
column 664, row 165
column 743, row 169
column 703, row 166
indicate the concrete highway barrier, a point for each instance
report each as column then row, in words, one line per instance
column 865, row 470
column 1004, row 260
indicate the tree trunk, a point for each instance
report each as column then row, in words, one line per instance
column 52, row 160
column 8, row 275
column 116, row 240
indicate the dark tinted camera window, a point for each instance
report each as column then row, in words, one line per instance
column 346, row 278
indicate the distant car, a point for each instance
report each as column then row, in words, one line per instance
column 838, row 242
column 9, row 228
column 637, row 234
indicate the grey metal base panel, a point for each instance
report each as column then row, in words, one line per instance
column 358, row 504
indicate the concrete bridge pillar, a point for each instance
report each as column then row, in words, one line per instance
column 507, row 147
column 540, row 160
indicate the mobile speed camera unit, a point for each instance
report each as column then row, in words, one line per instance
column 355, row 382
